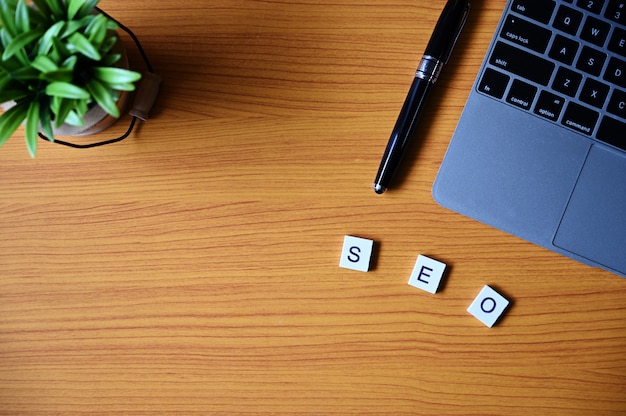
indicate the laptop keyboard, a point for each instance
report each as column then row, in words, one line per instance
column 563, row 61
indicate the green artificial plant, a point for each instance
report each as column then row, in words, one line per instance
column 57, row 61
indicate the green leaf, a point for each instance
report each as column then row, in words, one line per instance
column 58, row 50
column 110, row 59
column 111, row 75
column 44, row 64
column 88, row 7
column 108, row 44
column 81, row 107
column 45, row 122
column 103, row 97
column 42, row 7
column 74, row 119
column 32, row 127
column 5, row 37
column 71, row 27
column 56, row 7
column 70, row 62
column 7, row 11
column 97, row 30
column 61, row 107
column 66, row 90
column 60, row 75
column 5, row 78
column 73, row 6
column 11, row 120
column 25, row 74
column 47, row 40
column 19, row 42
column 79, row 42
column 13, row 94
column 22, row 19
column 122, row 87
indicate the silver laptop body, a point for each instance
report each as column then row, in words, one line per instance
column 539, row 151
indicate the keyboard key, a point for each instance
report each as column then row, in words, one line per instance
column 564, row 49
column 493, row 83
column 594, row 6
column 617, row 43
column 591, row 61
column 567, row 81
column 526, row 34
column 595, row 31
column 611, row 131
column 522, row 63
column 616, row 72
column 539, row 10
column 579, row 118
column 521, row 94
column 568, row 20
column 616, row 11
column 617, row 104
column 594, row 93
column 549, row 106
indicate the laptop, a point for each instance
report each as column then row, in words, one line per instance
column 540, row 149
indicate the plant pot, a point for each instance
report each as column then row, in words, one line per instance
column 96, row 119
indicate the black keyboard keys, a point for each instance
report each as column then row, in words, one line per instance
column 616, row 72
column 595, row 31
column 564, row 49
column 611, row 131
column 617, row 43
column 539, row 10
column 568, row 20
column 591, row 61
column 522, row 67
column 617, row 105
column 594, row 6
column 594, row 93
column 521, row 63
column 579, row 118
column 521, row 94
column 549, row 106
column 616, row 11
column 567, row 81
column 526, row 34
column 493, row 83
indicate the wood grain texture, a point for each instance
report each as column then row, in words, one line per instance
column 193, row 268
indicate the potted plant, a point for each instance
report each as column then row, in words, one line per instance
column 61, row 63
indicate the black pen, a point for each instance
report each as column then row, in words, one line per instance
column 437, row 53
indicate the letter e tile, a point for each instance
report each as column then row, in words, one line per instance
column 427, row 274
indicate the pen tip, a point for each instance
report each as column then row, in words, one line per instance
column 379, row 189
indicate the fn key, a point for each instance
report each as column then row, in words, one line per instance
column 493, row 83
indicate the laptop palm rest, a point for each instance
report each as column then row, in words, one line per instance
column 594, row 222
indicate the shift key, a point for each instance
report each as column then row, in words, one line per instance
column 521, row 63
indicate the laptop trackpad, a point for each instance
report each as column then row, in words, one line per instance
column 594, row 223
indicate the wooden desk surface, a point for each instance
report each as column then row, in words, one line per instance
column 193, row 268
